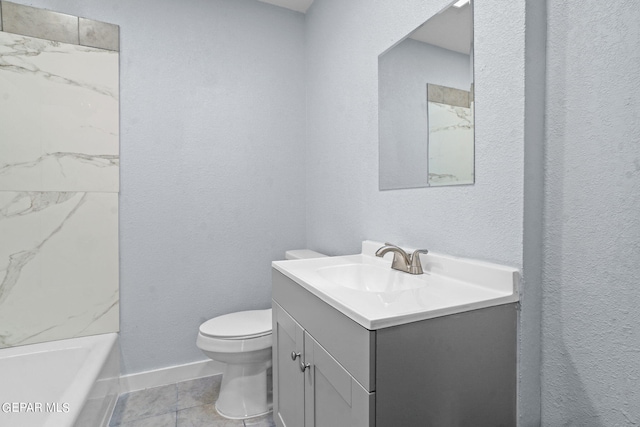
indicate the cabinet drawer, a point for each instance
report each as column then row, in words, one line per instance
column 352, row 345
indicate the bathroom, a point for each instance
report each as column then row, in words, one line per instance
column 248, row 129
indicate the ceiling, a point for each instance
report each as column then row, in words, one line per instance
column 450, row 29
column 297, row 5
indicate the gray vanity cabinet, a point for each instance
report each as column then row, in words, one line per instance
column 288, row 340
column 452, row 371
column 311, row 388
column 332, row 396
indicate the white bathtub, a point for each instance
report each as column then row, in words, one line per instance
column 63, row 383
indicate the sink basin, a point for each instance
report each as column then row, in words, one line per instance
column 366, row 289
column 370, row 278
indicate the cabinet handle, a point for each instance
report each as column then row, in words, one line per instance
column 304, row 366
column 294, row 355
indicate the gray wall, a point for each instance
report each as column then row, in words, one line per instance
column 212, row 171
column 404, row 72
column 212, row 122
column 591, row 315
column 344, row 205
column 531, row 293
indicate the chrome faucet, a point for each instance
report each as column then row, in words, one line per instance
column 401, row 260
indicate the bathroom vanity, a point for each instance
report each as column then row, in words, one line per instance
column 358, row 344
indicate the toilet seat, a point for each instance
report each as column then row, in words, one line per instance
column 217, row 345
column 239, row 332
column 238, row 326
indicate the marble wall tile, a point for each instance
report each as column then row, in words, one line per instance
column 451, row 145
column 457, row 97
column 44, row 24
column 435, row 93
column 60, row 116
column 58, row 265
column 59, row 167
column 448, row 95
column 99, row 34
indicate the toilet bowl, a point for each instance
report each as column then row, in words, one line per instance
column 242, row 340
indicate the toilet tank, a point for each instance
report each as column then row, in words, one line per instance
column 302, row 254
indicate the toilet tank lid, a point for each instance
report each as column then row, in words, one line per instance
column 239, row 325
column 302, row 254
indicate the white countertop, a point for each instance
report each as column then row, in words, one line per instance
column 449, row 285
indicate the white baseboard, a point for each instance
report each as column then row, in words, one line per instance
column 170, row 375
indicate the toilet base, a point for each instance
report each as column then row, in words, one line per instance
column 243, row 392
column 240, row 418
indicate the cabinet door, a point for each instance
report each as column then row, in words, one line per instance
column 332, row 397
column 288, row 383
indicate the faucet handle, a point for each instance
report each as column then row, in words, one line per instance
column 419, row 251
column 416, row 266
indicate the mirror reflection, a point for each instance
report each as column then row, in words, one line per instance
column 425, row 86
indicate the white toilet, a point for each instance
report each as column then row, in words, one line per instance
column 242, row 340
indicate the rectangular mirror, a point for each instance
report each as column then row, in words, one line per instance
column 425, row 108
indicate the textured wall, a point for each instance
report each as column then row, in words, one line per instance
column 344, row 205
column 591, row 333
column 212, row 167
column 531, row 294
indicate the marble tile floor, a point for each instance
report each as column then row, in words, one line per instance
column 185, row 404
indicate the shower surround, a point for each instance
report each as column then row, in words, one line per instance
column 59, row 168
